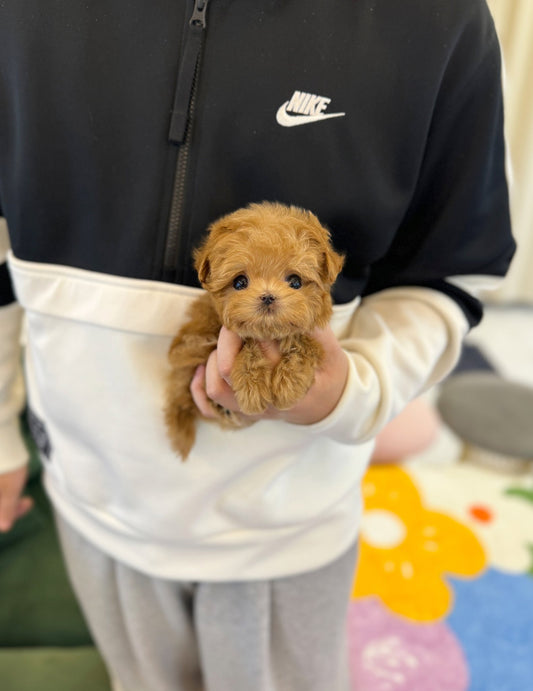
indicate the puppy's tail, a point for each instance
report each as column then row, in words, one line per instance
column 181, row 426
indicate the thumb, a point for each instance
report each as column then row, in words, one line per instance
column 8, row 508
column 271, row 351
column 11, row 485
column 13, row 507
column 25, row 505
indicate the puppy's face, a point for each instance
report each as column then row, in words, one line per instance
column 269, row 269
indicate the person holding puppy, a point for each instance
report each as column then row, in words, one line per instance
column 123, row 136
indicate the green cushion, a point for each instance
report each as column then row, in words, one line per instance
column 37, row 605
column 33, row 521
column 52, row 669
column 44, row 641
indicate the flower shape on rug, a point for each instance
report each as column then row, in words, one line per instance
column 407, row 551
column 390, row 653
column 496, row 507
column 492, row 618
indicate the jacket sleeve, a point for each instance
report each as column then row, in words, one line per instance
column 13, row 452
column 399, row 343
column 421, row 296
column 456, row 233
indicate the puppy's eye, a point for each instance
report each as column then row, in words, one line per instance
column 294, row 281
column 241, row 282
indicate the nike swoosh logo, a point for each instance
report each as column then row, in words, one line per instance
column 285, row 119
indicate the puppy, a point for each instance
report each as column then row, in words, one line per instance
column 267, row 270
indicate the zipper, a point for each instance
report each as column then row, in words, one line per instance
column 180, row 128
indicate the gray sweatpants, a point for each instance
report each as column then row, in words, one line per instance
column 287, row 634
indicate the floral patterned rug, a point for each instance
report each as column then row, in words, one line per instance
column 443, row 593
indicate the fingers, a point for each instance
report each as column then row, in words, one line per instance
column 211, row 383
column 198, row 394
column 228, row 347
column 25, row 505
column 8, row 509
column 217, row 387
column 12, row 506
column 208, row 386
column 271, row 351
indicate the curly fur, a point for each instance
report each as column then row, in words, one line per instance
column 286, row 257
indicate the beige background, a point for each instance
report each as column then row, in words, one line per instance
column 514, row 22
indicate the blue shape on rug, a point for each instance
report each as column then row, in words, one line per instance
column 493, row 619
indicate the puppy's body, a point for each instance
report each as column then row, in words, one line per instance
column 267, row 270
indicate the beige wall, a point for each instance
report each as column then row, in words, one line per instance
column 514, row 23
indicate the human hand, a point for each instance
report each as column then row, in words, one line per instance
column 212, row 382
column 12, row 505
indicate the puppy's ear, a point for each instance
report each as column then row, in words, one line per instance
column 332, row 262
column 331, row 265
column 201, row 263
column 218, row 229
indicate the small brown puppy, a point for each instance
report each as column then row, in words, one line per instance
column 267, row 270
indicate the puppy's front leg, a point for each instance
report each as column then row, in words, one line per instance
column 251, row 379
column 293, row 376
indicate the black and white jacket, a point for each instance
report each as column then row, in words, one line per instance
column 124, row 131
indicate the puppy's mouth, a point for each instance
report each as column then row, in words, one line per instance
column 266, row 318
column 268, row 310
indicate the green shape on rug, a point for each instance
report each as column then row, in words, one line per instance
column 521, row 493
column 529, row 572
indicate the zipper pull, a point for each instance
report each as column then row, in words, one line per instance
column 199, row 14
column 187, row 72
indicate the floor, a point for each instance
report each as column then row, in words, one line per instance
column 443, row 593
column 505, row 336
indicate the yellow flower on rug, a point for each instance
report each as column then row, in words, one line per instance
column 407, row 550
column 497, row 507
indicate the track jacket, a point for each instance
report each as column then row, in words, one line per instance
column 125, row 128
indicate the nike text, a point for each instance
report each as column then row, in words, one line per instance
column 303, row 108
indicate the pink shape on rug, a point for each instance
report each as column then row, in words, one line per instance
column 388, row 653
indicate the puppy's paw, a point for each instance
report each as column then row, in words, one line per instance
column 250, row 380
column 290, row 383
column 252, row 398
column 294, row 375
column 252, row 392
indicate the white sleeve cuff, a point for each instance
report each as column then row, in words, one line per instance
column 401, row 342
column 342, row 424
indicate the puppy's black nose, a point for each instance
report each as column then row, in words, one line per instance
column 267, row 299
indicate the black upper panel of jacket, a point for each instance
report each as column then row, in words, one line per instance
column 410, row 179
